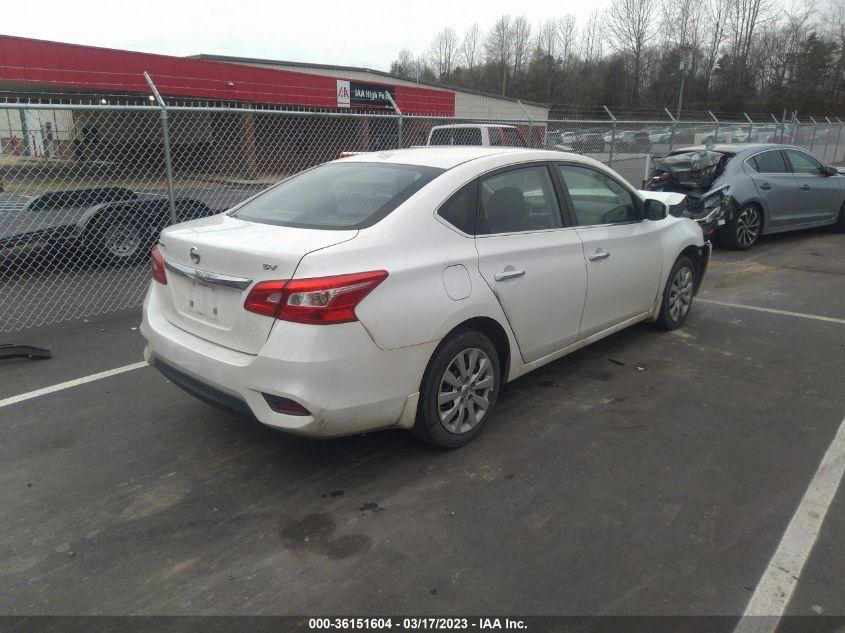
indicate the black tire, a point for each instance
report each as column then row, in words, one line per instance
column 839, row 225
column 430, row 426
column 119, row 240
column 743, row 231
column 678, row 294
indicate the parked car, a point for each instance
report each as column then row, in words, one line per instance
column 725, row 134
column 658, row 134
column 589, row 142
column 633, row 142
column 403, row 289
column 484, row 135
column 112, row 224
column 744, row 191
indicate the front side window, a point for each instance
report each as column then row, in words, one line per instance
column 596, row 197
column 338, row 195
column 770, row 162
column 517, row 200
column 512, row 137
column 804, row 163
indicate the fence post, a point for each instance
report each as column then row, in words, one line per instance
column 399, row 120
column 778, row 127
column 750, row 126
column 716, row 131
column 612, row 135
column 813, row 137
column 530, row 123
column 838, row 137
column 674, row 126
column 165, row 138
column 827, row 140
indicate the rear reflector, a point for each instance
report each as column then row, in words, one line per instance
column 319, row 301
column 159, row 273
column 285, row 405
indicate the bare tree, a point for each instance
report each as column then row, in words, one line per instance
column 592, row 38
column 717, row 11
column 499, row 47
column 471, row 47
column 521, row 32
column 743, row 18
column 443, row 52
column 630, row 28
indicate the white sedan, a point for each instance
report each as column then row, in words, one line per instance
column 401, row 289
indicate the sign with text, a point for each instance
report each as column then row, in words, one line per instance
column 356, row 94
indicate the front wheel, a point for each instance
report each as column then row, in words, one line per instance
column 839, row 226
column 678, row 294
column 458, row 391
column 742, row 231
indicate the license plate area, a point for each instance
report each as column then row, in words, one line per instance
column 203, row 301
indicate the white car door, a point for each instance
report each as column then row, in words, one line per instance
column 622, row 251
column 532, row 262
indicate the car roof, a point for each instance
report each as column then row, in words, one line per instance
column 448, row 156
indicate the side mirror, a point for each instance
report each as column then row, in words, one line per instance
column 829, row 170
column 655, row 210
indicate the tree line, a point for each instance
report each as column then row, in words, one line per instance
column 733, row 56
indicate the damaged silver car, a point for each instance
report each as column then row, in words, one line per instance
column 742, row 191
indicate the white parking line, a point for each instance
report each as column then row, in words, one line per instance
column 775, row 588
column 802, row 315
column 70, row 383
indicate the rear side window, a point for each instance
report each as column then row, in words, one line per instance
column 770, row 162
column 518, row 200
column 459, row 210
column 338, row 195
column 456, row 136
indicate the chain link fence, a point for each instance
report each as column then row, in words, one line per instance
column 86, row 189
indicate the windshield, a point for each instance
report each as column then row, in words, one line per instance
column 338, row 195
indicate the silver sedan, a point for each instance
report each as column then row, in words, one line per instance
column 761, row 188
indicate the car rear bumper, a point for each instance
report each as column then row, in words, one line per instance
column 345, row 382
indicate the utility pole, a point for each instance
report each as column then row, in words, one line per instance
column 684, row 69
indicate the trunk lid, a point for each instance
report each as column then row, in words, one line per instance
column 205, row 292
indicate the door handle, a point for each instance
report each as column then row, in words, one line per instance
column 508, row 274
column 599, row 255
column 766, row 186
column 804, row 187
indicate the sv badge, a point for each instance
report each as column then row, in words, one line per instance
column 269, row 266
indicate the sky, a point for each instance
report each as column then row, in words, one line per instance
column 352, row 33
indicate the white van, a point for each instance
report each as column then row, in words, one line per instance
column 484, row 135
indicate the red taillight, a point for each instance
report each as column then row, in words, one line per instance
column 158, row 266
column 320, row 301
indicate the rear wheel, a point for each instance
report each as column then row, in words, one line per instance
column 119, row 240
column 458, row 391
column 678, row 294
column 742, row 232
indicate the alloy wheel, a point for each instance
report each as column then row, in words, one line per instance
column 748, row 226
column 121, row 240
column 464, row 393
column 680, row 293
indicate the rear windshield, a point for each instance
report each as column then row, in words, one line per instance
column 338, row 195
column 455, row 136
